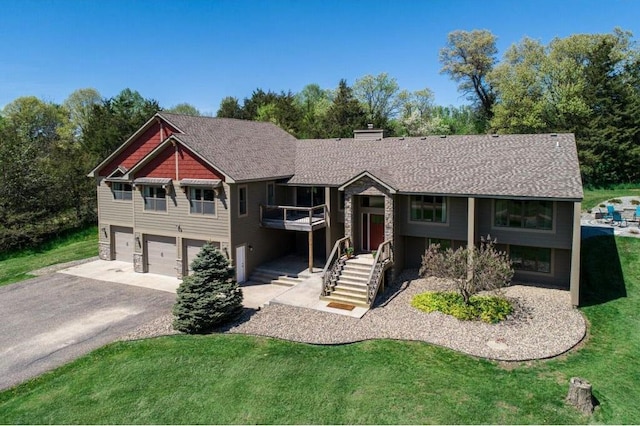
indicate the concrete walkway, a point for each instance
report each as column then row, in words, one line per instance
column 305, row 295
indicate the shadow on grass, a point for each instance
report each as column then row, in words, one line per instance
column 601, row 277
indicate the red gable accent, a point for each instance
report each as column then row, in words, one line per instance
column 138, row 148
column 163, row 165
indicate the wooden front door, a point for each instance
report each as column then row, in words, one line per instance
column 372, row 231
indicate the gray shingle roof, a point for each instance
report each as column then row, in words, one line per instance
column 241, row 149
column 533, row 165
column 540, row 165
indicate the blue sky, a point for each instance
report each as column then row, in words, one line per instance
column 200, row 51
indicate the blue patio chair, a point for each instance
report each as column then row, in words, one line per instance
column 636, row 215
column 617, row 217
column 608, row 216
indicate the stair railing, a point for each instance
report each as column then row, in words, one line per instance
column 382, row 260
column 331, row 269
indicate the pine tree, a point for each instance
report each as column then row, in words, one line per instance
column 208, row 297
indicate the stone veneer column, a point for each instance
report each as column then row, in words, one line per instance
column 348, row 214
column 104, row 245
column 138, row 252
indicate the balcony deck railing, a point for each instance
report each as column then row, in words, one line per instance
column 293, row 217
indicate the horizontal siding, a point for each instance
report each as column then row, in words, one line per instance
column 178, row 222
column 454, row 229
column 559, row 237
column 111, row 211
column 267, row 244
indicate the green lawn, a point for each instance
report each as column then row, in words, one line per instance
column 243, row 379
column 76, row 245
column 593, row 197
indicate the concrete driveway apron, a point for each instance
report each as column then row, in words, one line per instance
column 51, row 320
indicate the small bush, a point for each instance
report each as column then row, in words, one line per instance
column 635, row 202
column 615, row 201
column 602, row 205
column 490, row 309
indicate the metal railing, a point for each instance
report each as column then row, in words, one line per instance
column 382, row 260
column 331, row 270
column 293, row 213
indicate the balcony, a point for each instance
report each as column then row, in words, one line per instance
column 294, row 218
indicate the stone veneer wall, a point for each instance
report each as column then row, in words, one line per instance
column 369, row 187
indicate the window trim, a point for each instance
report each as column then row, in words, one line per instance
column 144, row 200
column 551, row 272
column 191, row 201
column 122, row 191
column 554, row 218
column 246, row 201
column 425, row 222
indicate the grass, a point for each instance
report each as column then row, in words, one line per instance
column 244, row 379
column 594, row 196
column 79, row 244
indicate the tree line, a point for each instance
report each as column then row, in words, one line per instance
column 588, row 84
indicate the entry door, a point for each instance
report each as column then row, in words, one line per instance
column 372, row 231
column 240, row 264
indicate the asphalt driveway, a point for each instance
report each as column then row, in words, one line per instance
column 51, row 320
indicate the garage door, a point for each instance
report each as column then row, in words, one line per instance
column 161, row 255
column 123, row 243
column 191, row 250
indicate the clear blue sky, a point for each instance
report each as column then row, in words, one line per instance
column 201, row 51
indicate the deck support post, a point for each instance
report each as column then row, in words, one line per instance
column 310, row 251
column 471, row 234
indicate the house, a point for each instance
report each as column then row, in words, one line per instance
column 259, row 193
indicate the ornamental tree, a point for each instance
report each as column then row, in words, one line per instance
column 472, row 271
column 208, row 297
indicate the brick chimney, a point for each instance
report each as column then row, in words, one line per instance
column 370, row 133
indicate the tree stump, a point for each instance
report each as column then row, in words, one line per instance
column 580, row 395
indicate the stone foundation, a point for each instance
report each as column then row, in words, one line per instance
column 104, row 251
column 179, row 268
column 138, row 262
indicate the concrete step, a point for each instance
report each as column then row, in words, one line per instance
column 355, row 286
column 350, row 291
column 357, row 301
column 265, row 276
column 355, row 273
column 352, row 281
column 356, row 267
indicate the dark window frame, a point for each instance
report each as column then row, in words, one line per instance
column 122, row 191
column 535, row 215
column 531, row 259
column 155, row 199
column 198, row 201
column 428, row 208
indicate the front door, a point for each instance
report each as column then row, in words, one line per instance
column 372, row 231
column 240, row 264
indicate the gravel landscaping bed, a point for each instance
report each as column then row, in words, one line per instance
column 543, row 323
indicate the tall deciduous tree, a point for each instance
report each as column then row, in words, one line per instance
column 184, row 108
column 378, row 94
column 468, row 57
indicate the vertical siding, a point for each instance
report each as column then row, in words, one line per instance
column 559, row 237
column 268, row 244
column 454, row 229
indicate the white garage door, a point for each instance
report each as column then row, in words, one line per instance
column 191, row 250
column 123, row 243
column 161, row 255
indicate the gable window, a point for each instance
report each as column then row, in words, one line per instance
column 242, row 201
column 202, row 201
column 533, row 214
column 155, row 199
column 121, row 191
column 428, row 208
column 531, row 259
column 271, row 194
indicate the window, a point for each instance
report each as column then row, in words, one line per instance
column 271, row 194
column 524, row 214
column 309, row 196
column 155, row 199
column 242, row 201
column 372, row 201
column 531, row 259
column 202, row 201
column 428, row 208
column 444, row 244
column 341, row 200
column 121, row 191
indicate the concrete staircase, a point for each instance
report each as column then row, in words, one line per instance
column 351, row 286
column 267, row 276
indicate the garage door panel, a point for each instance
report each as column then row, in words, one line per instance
column 123, row 243
column 191, row 250
column 161, row 255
